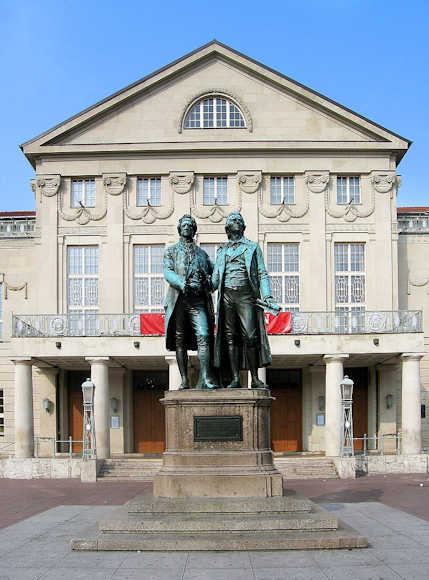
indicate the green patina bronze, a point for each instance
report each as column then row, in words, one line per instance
column 189, row 317
column 241, row 278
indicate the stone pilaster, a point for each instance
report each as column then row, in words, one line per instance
column 411, row 421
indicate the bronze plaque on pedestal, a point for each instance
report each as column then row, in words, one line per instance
column 218, row 428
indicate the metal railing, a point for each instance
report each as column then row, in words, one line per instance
column 380, row 444
column 73, row 324
column 17, row 228
column 54, row 443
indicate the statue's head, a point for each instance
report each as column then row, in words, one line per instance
column 187, row 220
column 235, row 224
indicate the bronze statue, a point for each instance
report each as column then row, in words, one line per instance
column 241, row 277
column 189, row 318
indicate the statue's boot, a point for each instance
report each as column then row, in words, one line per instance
column 204, row 360
column 235, row 368
column 253, row 359
column 182, row 363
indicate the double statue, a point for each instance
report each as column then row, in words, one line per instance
column 243, row 286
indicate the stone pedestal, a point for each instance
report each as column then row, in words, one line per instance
column 217, row 445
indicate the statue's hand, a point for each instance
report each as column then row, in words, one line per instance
column 270, row 301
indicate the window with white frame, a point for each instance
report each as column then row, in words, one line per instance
column 348, row 190
column 82, row 289
column 1, row 311
column 350, row 286
column 211, row 250
column 83, row 192
column 149, row 284
column 283, row 267
column 215, row 191
column 149, row 191
column 282, row 190
column 1, row 412
column 215, row 112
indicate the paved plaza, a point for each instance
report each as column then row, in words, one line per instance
column 39, row 518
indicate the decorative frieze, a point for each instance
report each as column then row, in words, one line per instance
column 114, row 183
column 317, row 181
column 47, row 185
column 181, row 181
column 283, row 212
column 249, row 181
column 385, row 181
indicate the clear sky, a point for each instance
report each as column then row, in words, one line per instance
column 58, row 57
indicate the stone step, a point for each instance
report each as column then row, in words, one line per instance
column 344, row 537
column 203, row 523
column 146, row 503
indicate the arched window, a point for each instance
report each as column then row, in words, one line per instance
column 214, row 112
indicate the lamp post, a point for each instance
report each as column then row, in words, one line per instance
column 89, row 449
column 347, row 448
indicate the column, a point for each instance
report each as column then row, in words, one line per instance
column 24, row 430
column 411, row 420
column 100, row 378
column 334, row 376
column 174, row 378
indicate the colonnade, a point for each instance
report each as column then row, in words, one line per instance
column 410, row 403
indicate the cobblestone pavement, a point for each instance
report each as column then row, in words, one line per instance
column 47, row 514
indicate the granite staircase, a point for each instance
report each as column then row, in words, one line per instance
column 144, row 468
column 306, row 467
column 129, row 469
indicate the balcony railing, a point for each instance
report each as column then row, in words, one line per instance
column 370, row 322
column 17, row 228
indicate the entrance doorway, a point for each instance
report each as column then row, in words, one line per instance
column 286, row 410
column 360, row 377
column 149, row 417
column 75, row 406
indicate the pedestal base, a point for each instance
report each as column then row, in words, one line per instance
column 217, row 445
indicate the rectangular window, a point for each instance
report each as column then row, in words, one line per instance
column 82, row 289
column 149, row 284
column 283, row 266
column 282, row 190
column 215, row 191
column 149, row 191
column 83, row 192
column 1, row 413
column 350, row 286
column 1, row 311
column 348, row 190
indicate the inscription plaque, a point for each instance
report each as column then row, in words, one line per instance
column 218, row 428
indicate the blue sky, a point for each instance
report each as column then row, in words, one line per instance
column 59, row 57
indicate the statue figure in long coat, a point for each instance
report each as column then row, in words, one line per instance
column 242, row 280
column 189, row 316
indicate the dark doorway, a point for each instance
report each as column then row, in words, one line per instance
column 360, row 377
column 286, row 411
column 149, row 417
column 75, row 406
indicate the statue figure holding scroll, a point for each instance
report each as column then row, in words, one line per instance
column 189, row 317
column 244, row 293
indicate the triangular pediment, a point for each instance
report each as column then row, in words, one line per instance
column 149, row 114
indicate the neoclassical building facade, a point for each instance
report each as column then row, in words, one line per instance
column 212, row 133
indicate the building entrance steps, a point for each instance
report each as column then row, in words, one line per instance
column 129, row 469
column 306, row 467
column 134, row 468
column 175, row 524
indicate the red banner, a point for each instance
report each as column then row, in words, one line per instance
column 280, row 324
column 153, row 324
